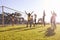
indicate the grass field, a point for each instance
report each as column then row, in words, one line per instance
column 20, row 32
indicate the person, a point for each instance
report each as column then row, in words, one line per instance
column 29, row 19
column 35, row 16
column 53, row 20
column 12, row 18
column 44, row 17
column 40, row 21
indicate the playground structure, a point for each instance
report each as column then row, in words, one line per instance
column 7, row 13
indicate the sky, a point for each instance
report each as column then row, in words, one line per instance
column 35, row 5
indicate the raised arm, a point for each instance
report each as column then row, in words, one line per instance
column 26, row 12
column 31, row 12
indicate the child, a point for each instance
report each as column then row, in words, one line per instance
column 35, row 19
column 53, row 20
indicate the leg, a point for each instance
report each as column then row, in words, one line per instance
column 12, row 23
column 54, row 25
column 27, row 24
column 34, row 22
column 30, row 24
column 44, row 23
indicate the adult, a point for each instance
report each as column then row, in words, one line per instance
column 53, row 20
column 29, row 18
column 44, row 17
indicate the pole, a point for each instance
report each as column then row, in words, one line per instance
column 3, row 15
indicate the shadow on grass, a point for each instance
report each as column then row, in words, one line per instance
column 49, row 32
column 28, row 29
column 20, row 28
column 12, row 29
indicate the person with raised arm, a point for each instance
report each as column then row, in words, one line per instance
column 53, row 20
column 29, row 18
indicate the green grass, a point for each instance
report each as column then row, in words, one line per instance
column 20, row 32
